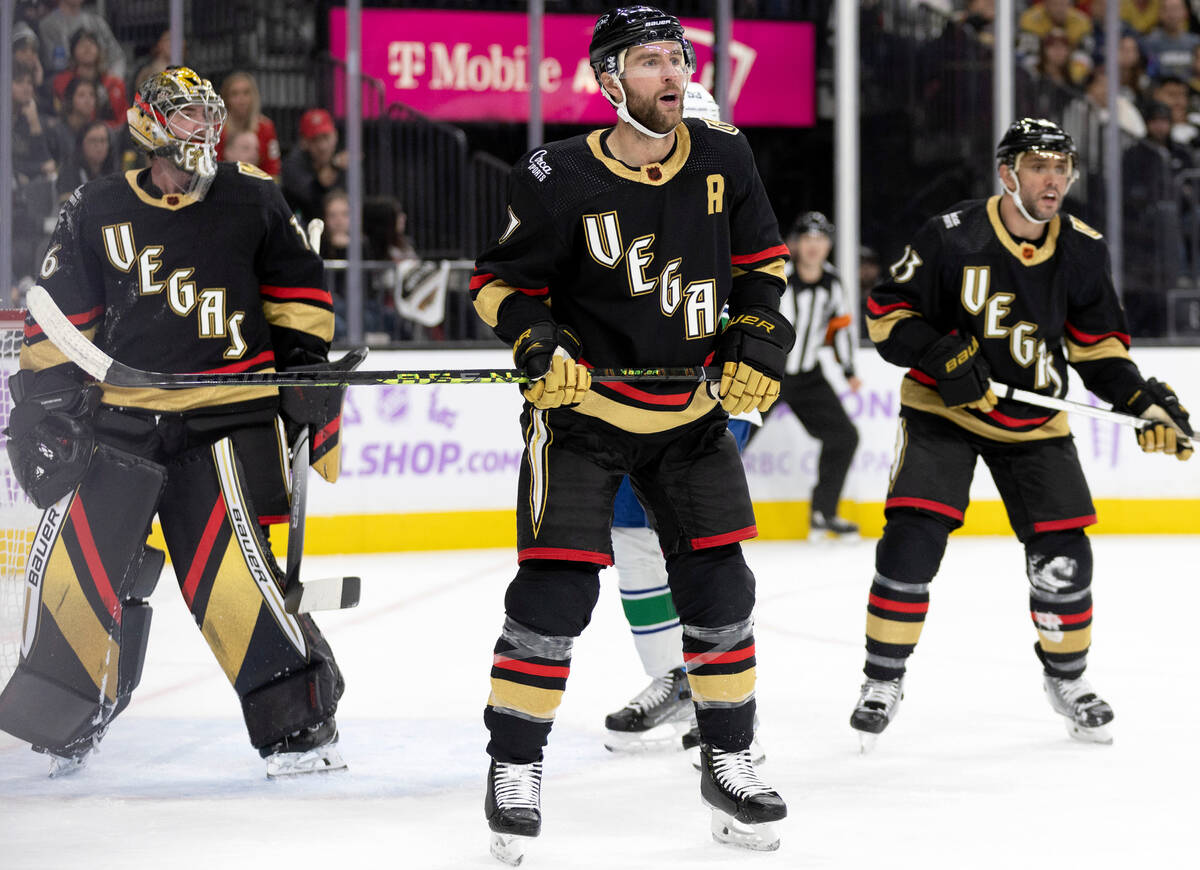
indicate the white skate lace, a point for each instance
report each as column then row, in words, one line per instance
column 735, row 772
column 653, row 695
column 881, row 694
column 518, row 785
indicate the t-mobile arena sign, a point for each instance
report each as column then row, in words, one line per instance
column 475, row 66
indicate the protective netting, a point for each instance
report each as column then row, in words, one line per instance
column 18, row 516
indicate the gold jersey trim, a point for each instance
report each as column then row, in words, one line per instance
column 152, row 399
column 653, row 174
column 1109, row 348
column 879, row 328
column 301, row 317
column 489, row 299
column 169, row 201
column 923, row 398
column 641, row 421
column 1026, row 254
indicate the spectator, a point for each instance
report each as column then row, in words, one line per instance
column 1056, row 64
column 1129, row 119
column 95, row 155
column 1141, row 15
column 244, row 105
column 57, row 28
column 1131, row 67
column 1153, row 223
column 379, row 321
column 33, row 174
column 1169, row 47
column 1174, row 92
column 241, row 147
column 25, row 52
column 157, row 60
column 88, row 62
column 978, row 20
column 314, row 167
column 1039, row 20
column 78, row 109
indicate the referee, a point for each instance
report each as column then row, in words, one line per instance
column 816, row 305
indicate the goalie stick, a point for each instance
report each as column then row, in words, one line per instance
column 1004, row 391
column 328, row 593
column 107, row 370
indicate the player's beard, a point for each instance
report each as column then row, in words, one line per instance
column 1034, row 205
column 647, row 112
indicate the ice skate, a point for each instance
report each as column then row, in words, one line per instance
column 743, row 806
column 513, row 806
column 654, row 719
column 878, row 703
column 310, row 750
column 1087, row 714
column 691, row 743
column 831, row 528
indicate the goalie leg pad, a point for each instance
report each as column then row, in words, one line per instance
column 85, row 636
column 232, row 585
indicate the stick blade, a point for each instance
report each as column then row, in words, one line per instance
column 327, row 593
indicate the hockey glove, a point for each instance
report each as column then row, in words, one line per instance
column 1157, row 401
column 319, row 408
column 961, row 373
column 50, row 433
column 752, row 353
column 547, row 354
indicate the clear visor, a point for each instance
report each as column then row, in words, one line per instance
column 1046, row 163
column 657, row 60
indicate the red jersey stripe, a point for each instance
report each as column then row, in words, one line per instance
column 1088, row 338
column 879, row 310
column 77, row 319
column 765, row 254
column 267, row 356
column 1016, row 422
column 292, row 294
column 522, row 667
column 899, row 606
column 632, row 392
column 479, row 279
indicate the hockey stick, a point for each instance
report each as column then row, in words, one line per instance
column 328, row 593
column 107, row 370
column 1004, row 391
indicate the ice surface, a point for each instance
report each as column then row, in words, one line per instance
column 976, row 772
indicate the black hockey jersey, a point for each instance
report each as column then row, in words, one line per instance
column 639, row 261
column 1033, row 308
column 169, row 283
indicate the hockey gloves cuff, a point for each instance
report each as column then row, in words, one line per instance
column 961, row 373
column 50, row 433
column 752, row 353
column 1171, row 431
column 547, row 354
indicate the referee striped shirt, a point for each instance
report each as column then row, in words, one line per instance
column 820, row 316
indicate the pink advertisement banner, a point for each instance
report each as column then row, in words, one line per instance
column 474, row 66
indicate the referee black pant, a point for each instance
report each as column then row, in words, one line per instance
column 819, row 411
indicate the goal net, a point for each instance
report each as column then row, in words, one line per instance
column 18, row 516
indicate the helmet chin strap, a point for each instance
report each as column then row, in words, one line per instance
column 1015, row 193
column 623, row 113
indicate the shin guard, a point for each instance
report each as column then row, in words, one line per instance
column 1059, row 567
column 86, row 625
column 278, row 663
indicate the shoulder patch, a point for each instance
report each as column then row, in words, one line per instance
column 722, row 126
column 952, row 219
column 1084, row 228
column 539, row 168
column 253, row 171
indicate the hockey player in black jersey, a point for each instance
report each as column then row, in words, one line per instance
column 184, row 266
column 1012, row 289
column 620, row 248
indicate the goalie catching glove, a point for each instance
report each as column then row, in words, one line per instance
column 546, row 353
column 50, row 432
column 961, row 373
column 752, row 354
column 319, row 408
column 1156, row 401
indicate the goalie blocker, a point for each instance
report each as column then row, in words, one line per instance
column 87, row 622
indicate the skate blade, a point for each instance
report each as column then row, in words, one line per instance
column 1100, row 734
column 664, row 737
column 866, row 742
column 324, row 759
column 730, row 832
column 508, row 848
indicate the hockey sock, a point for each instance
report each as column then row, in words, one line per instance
column 1059, row 567
column 646, row 599
column 529, row 675
column 721, row 672
column 895, row 616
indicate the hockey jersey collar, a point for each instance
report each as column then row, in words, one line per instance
column 169, row 201
column 654, row 174
column 1026, row 254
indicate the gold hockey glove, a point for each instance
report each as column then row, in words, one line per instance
column 1171, row 431
column 547, row 353
column 961, row 373
column 753, row 352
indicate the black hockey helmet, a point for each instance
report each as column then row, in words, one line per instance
column 1035, row 134
column 812, row 222
column 620, row 29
